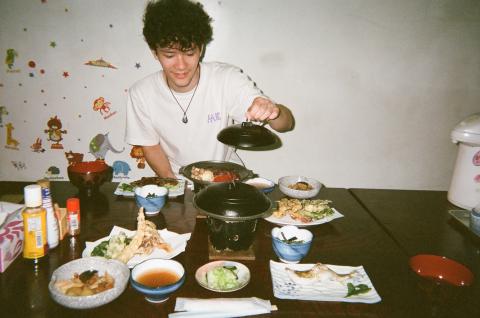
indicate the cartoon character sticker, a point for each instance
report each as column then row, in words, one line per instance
column 103, row 107
column 137, row 154
column 73, row 157
column 10, row 57
column 55, row 132
column 37, row 146
column 476, row 159
column 119, row 166
column 12, row 143
column 3, row 112
column 100, row 144
column 19, row 165
column 53, row 172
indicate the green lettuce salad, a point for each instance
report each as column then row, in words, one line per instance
column 222, row 277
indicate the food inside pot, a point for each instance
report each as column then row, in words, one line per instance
column 214, row 174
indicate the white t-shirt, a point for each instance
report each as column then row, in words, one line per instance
column 224, row 92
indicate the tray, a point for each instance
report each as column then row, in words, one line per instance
column 463, row 217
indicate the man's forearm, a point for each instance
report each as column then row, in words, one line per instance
column 284, row 122
column 158, row 161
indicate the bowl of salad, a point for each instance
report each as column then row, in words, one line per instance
column 223, row 276
column 290, row 243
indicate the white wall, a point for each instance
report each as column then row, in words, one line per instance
column 375, row 86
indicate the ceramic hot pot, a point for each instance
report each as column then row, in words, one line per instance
column 232, row 211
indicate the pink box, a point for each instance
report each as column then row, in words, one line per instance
column 11, row 239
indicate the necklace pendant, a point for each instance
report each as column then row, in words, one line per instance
column 185, row 119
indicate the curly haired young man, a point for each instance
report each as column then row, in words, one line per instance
column 175, row 114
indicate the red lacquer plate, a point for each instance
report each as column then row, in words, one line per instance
column 441, row 269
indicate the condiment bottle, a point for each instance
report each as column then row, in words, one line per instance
column 73, row 216
column 34, row 224
column 52, row 223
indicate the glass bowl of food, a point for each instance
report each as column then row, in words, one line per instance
column 299, row 187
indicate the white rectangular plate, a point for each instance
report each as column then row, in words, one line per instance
column 285, row 288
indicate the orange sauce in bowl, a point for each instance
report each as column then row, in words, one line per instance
column 157, row 278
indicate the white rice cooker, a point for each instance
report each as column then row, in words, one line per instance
column 465, row 186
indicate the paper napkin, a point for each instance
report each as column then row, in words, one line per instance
column 221, row 307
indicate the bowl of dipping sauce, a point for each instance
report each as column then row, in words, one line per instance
column 157, row 278
column 261, row 184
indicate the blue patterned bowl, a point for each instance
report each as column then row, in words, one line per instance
column 161, row 267
column 151, row 197
column 290, row 243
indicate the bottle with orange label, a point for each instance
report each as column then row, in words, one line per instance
column 73, row 216
column 34, row 224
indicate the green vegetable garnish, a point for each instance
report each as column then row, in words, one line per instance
column 292, row 240
column 110, row 248
column 86, row 275
column 357, row 289
column 233, row 269
column 127, row 187
column 100, row 249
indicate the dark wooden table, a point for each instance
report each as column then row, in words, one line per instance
column 357, row 239
column 419, row 223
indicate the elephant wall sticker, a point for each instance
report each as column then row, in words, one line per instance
column 100, row 145
column 120, row 167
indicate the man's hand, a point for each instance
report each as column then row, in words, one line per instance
column 262, row 109
column 279, row 117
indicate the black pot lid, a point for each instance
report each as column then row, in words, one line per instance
column 235, row 201
column 247, row 135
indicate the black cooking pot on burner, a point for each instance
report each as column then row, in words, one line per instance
column 232, row 211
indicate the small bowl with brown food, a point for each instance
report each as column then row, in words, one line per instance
column 299, row 187
column 88, row 282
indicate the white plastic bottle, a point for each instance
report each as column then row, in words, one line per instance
column 52, row 223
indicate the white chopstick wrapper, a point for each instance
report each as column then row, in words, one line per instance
column 221, row 307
